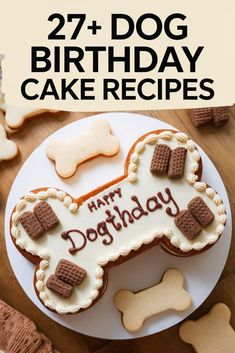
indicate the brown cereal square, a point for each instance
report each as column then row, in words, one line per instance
column 188, row 224
column 220, row 116
column 160, row 159
column 46, row 215
column 201, row 211
column 31, row 224
column 70, row 273
column 59, row 287
column 177, row 163
column 201, row 116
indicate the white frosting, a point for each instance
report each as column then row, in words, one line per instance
column 68, row 154
column 140, row 182
column 15, row 116
column 8, row 148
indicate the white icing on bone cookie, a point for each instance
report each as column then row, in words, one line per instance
column 103, row 229
column 69, row 154
column 8, row 148
column 16, row 116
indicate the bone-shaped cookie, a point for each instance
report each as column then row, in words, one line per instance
column 69, row 154
column 118, row 220
column 8, row 148
column 16, row 116
column 211, row 333
column 168, row 294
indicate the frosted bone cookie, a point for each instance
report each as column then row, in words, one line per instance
column 118, row 220
column 8, row 148
column 212, row 333
column 166, row 295
column 15, row 117
column 69, row 154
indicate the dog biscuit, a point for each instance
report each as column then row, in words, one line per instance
column 69, row 154
column 177, row 163
column 212, row 333
column 8, row 148
column 201, row 211
column 168, row 294
column 160, row 159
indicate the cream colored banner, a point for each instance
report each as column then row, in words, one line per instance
column 175, row 54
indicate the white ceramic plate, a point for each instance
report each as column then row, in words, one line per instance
column 103, row 320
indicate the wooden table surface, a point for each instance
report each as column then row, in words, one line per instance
column 218, row 143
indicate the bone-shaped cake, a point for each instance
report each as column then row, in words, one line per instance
column 212, row 333
column 166, row 295
column 159, row 200
column 67, row 155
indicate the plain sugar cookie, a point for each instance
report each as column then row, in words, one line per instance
column 168, row 294
column 212, row 333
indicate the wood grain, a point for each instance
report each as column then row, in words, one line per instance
column 218, row 143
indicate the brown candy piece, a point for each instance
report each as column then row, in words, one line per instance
column 59, row 287
column 177, row 163
column 188, row 224
column 201, row 116
column 201, row 211
column 220, row 116
column 160, row 159
column 70, row 273
column 31, row 224
column 46, row 215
